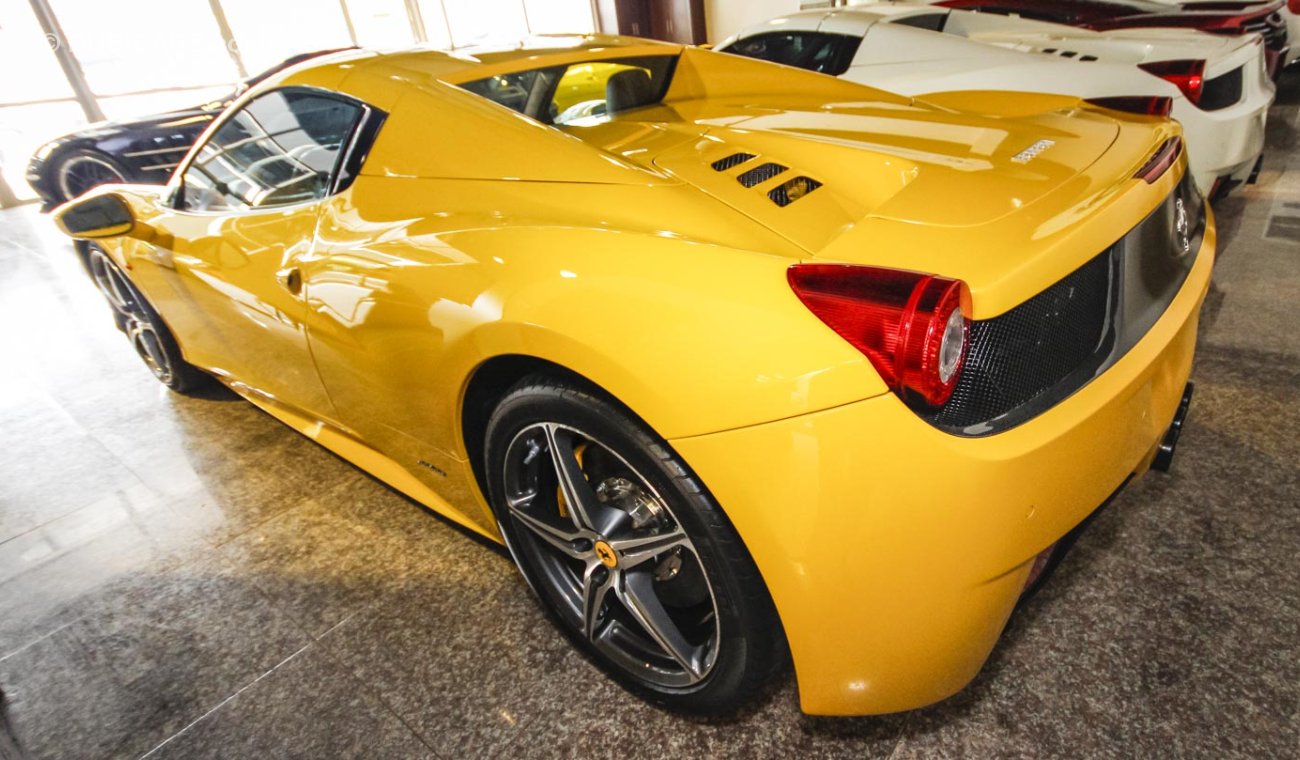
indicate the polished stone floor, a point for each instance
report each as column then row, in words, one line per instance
column 189, row 578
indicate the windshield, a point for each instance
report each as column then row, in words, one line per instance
column 580, row 91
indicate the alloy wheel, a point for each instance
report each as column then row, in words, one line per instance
column 81, row 173
column 111, row 283
column 136, row 321
column 608, row 550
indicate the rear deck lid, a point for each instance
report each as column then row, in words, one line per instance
column 810, row 173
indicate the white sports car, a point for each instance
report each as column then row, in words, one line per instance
column 1216, row 86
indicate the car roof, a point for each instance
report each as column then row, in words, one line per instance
column 418, row 91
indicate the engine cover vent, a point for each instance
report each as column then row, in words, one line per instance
column 731, row 162
column 789, row 192
column 761, row 174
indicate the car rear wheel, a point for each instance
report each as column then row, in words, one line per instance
column 81, row 170
column 627, row 550
column 149, row 336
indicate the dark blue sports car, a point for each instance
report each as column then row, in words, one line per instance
column 143, row 150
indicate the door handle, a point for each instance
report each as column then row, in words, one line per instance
column 290, row 278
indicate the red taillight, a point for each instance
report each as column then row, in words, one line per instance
column 1147, row 106
column 912, row 326
column 1159, row 163
column 1294, row 6
column 1188, row 76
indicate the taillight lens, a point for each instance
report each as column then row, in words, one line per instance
column 1188, row 76
column 1145, row 106
column 913, row 327
column 1294, row 6
column 1159, row 163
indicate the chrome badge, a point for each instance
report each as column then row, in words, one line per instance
column 1182, row 229
column 1030, row 153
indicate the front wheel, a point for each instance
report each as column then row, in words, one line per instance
column 146, row 331
column 629, row 552
column 80, row 170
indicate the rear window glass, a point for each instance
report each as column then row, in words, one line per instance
column 580, row 91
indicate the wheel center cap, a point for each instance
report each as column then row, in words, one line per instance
column 605, row 553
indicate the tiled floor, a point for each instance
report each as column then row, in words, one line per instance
column 189, row 578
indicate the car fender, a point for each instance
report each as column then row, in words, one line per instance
column 669, row 327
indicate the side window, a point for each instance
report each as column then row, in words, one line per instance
column 814, row 51
column 280, row 148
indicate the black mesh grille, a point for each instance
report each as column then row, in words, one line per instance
column 732, row 161
column 1223, row 91
column 760, row 174
column 1029, row 350
column 1034, row 356
column 791, row 191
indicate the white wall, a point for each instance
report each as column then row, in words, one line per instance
column 726, row 17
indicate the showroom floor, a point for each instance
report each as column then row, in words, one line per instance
column 189, row 578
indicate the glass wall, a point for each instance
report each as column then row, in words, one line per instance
column 134, row 45
column 148, row 56
column 35, row 97
column 381, row 24
column 477, row 22
column 551, row 17
column 268, row 32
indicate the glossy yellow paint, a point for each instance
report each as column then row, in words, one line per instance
column 613, row 249
column 896, row 552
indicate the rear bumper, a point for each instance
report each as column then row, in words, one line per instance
column 895, row 552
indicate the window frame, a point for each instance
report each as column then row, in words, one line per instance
column 360, row 139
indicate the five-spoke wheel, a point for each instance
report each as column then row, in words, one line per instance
column 149, row 336
column 628, row 575
column 622, row 544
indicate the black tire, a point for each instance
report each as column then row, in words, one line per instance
column 77, row 170
column 144, row 328
column 744, row 648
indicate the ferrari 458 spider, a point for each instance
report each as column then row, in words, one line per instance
column 737, row 356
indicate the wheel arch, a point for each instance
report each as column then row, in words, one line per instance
column 493, row 379
column 487, row 385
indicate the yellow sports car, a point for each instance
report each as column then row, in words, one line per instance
column 731, row 356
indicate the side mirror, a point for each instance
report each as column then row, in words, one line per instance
column 94, row 217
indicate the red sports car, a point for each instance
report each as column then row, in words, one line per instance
column 1226, row 17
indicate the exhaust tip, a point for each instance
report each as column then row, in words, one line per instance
column 1165, row 453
